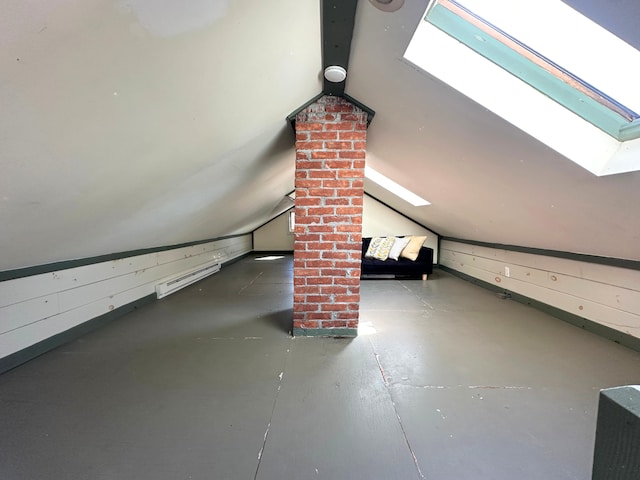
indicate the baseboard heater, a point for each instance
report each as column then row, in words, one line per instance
column 175, row 283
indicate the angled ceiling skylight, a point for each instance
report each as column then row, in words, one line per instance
column 543, row 67
column 395, row 188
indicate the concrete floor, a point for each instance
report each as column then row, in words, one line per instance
column 446, row 381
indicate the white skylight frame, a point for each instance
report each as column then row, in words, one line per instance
column 448, row 59
column 395, row 188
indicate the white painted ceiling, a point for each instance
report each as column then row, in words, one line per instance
column 129, row 124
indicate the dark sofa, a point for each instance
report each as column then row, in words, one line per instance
column 403, row 267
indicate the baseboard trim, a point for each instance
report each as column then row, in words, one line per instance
column 26, row 354
column 325, row 332
column 609, row 333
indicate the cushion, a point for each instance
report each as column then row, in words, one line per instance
column 398, row 246
column 379, row 247
column 412, row 249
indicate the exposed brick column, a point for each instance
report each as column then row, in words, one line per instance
column 330, row 157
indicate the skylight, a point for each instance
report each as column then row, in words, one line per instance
column 543, row 67
column 395, row 188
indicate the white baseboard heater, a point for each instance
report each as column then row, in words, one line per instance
column 175, row 283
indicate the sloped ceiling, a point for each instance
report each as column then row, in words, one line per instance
column 130, row 124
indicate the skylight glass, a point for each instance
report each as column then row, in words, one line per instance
column 545, row 68
column 395, row 188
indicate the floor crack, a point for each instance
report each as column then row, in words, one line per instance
column 395, row 409
column 273, row 409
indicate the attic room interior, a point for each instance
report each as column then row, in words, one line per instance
column 190, row 194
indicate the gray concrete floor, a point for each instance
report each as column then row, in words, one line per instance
column 446, row 381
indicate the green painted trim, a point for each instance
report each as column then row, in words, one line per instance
column 325, row 332
column 630, row 131
column 537, row 77
column 580, row 257
column 18, row 358
column 81, row 262
column 616, row 336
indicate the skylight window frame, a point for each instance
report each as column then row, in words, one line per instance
column 443, row 57
column 539, row 72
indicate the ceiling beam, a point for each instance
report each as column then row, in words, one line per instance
column 338, row 19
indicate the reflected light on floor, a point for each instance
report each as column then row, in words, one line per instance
column 270, row 257
column 366, row 328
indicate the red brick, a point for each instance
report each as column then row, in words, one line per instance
column 340, row 107
column 353, row 117
column 347, row 264
column 333, row 272
column 300, row 183
column 349, row 192
column 338, row 145
column 359, row 145
column 339, row 164
column 336, row 183
column 351, row 135
column 324, row 135
column 301, row 174
column 349, row 211
column 335, row 237
column 357, row 183
column 325, row 154
column 308, row 237
column 361, row 126
column 302, row 136
column 304, row 220
column 319, row 281
column 321, row 192
column 300, row 155
column 307, row 307
column 359, row 164
column 322, row 174
column 356, row 201
column 347, row 298
column 306, row 272
column 349, row 154
column 308, row 201
column 340, row 126
column 308, row 145
column 335, row 255
column 353, row 173
column 310, row 289
column 319, row 316
column 318, row 298
column 346, row 281
column 306, row 164
column 321, row 210
column 321, row 246
column 348, row 228
column 335, row 324
column 300, row 127
column 321, row 228
column 309, row 324
column 333, row 307
column 337, row 201
column 334, row 290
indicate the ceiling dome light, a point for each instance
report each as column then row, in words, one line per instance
column 335, row 73
column 387, row 5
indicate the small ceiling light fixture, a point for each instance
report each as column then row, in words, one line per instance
column 335, row 73
column 387, row 5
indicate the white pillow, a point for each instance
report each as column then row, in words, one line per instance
column 398, row 246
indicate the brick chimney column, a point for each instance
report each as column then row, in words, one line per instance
column 330, row 158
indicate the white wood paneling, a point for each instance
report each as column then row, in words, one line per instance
column 603, row 294
column 34, row 308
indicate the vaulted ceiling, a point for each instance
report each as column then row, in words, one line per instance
column 128, row 124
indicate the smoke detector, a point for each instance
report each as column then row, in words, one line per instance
column 335, row 73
